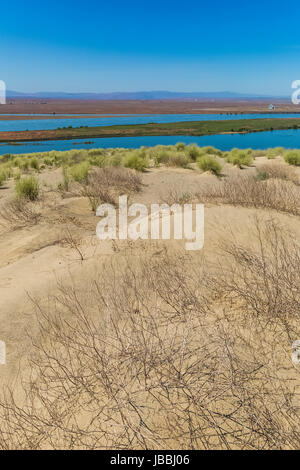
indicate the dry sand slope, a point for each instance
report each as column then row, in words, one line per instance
column 35, row 258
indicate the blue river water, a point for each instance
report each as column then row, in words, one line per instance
column 255, row 140
column 54, row 123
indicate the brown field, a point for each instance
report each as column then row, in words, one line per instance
column 58, row 106
column 141, row 344
column 16, row 117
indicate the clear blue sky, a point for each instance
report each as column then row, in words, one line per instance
column 123, row 45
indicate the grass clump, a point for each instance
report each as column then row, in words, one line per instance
column 48, row 161
column 274, row 152
column 178, row 159
column 5, row 173
column 27, row 188
column 21, row 163
column 259, row 153
column 208, row 150
column 79, row 172
column 95, row 152
column 66, row 179
column 293, row 157
column 209, row 163
column 193, row 151
column 17, row 175
column 160, row 156
column 180, row 146
column 240, row 158
column 136, row 161
column 7, row 157
column 211, row 151
column 171, row 158
column 17, row 162
column 2, row 178
column 24, row 165
column 114, row 160
column 34, row 163
column 97, row 160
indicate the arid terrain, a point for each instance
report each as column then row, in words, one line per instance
column 17, row 117
column 142, row 344
column 208, row 106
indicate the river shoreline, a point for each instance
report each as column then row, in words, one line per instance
column 191, row 128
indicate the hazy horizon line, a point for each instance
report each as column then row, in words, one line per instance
column 160, row 94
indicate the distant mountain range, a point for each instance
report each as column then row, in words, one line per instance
column 138, row 95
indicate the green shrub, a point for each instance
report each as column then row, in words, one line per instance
column 171, row 158
column 77, row 157
column 17, row 162
column 161, row 156
column 5, row 173
column 259, row 153
column 48, row 161
column 293, row 157
column 6, row 158
column 193, row 151
column 17, row 175
column 94, row 152
column 27, row 188
column 240, row 157
column 209, row 163
column 66, row 179
column 24, row 165
column 178, row 159
column 274, row 152
column 97, row 160
column 7, row 169
column 61, row 158
column 115, row 160
column 80, row 171
column 209, row 150
column 136, row 161
column 180, row 146
column 34, row 163
column 2, row 177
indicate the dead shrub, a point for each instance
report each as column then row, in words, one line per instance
column 105, row 184
column 265, row 281
column 19, row 213
column 177, row 196
column 279, row 171
column 136, row 361
column 123, row 179
column 249, row 192
column 73, row 241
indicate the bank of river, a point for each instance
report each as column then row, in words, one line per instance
column 53, row 122
column 256, row 140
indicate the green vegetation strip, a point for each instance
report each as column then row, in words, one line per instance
column 196, row 128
